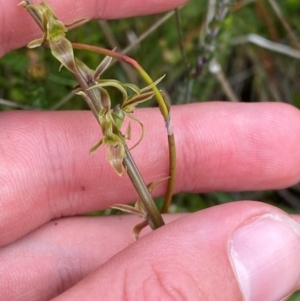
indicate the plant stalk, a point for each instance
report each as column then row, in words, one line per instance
column 154, row 219
column 94, row 101
column 164, row 107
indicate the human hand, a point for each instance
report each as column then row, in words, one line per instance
column 46, row 173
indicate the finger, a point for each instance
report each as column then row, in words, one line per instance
column 296, row 217
column 56, row 256
column 17, row 27
column 47, row 172
column 221, row 253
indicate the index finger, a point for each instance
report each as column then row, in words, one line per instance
column 17, row 27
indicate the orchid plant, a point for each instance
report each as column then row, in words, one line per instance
column 93, row 89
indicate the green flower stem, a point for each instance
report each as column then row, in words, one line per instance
column 172, row 174
column 163, row 106
column 154, row 219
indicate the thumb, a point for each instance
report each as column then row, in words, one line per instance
column 264, row 254
column 243, row 250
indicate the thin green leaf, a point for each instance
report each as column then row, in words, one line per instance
column 153, row 184
column 105, row 98
column 131, row 116
column 36, row 43
column 128, row 132
column 128, row 209
column 76, row 23
column 130, row 104
column 153, row 84
column 133, row 87
column 102, row 66
column 112, row 83
column 96, row 146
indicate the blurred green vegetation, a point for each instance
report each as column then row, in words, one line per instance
column 29, row 79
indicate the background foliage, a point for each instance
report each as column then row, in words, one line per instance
column 29, row 79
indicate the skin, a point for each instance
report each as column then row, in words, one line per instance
column 47, row 176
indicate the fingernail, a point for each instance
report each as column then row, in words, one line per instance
column 265, row 254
